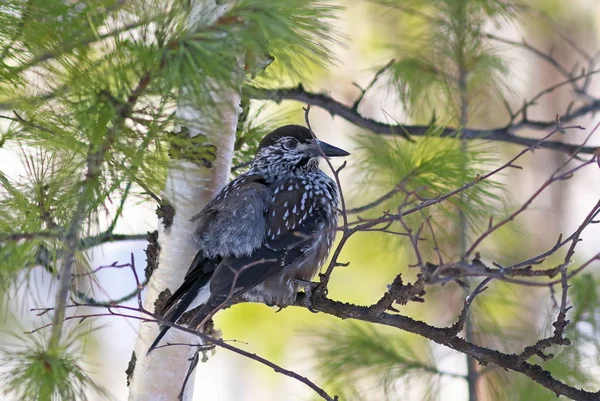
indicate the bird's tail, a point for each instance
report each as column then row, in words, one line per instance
column 207, row 310
column 181, row 308
column 212, row 306
column 188, row 294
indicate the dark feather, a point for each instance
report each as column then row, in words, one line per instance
column 290, row 236
column 264, row 231
column 200, row 270
column 298, row 132
column 233, row 222
column 198, row 276
column 234, row 277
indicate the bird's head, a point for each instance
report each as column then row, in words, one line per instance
column 291, row 150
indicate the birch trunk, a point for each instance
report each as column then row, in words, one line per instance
column 160, row 375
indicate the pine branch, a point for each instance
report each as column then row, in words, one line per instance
column 447, row 337
column 95, row 159
column 28, row 236
column 67, row 48
column 505, row 134
column 84, row 243
column 94, row 164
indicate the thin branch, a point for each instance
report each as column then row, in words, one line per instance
column 361, row 225
column 553, row 178
column 28, row 236
column 523, row 110
column 385, row 197
column 548, row 57
column 377, row 75
column 151, row 317
column 336, row 108
column 463, row 318
column 94, row 163
column 95, row 159
column 445, row 336
column 324, row 277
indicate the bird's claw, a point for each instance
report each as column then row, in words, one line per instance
column 308, row 287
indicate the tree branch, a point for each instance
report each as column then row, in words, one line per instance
column 445, row 336
column 336, row 108
column 95, row 159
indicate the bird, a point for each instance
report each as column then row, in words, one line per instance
column 264, row 235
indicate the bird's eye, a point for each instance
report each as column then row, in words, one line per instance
column 290, row 143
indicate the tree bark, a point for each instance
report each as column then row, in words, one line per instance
column 160, row 375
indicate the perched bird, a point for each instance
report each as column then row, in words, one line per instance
column 266, row 233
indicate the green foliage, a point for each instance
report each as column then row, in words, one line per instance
column 445, row 61
column 353, row 357
column 36, row 373
column 40, row 201
column 431, row 166
column 94, row 87
column 295, row 33
column 105, row 82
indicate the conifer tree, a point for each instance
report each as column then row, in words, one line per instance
column 108, row 103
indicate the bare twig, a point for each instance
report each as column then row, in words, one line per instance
column 378, row 74
column 151, row 317
column 548, row 57
column 385, row 197
column 523, row 110
column 361, row 224
column 335, row 107
column 345, row 232
column 553, row 178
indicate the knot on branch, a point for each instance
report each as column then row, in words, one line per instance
column 152, row 252
column 539, row 349
column 557, row 339
column 166, row 212
column 399, row 293
column 320, row 291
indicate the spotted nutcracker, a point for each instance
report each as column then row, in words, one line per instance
column 266, row 233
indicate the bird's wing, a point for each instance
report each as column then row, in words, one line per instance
column 291, row 219
column 248, row 194
column 233, row 222
column 198, row 275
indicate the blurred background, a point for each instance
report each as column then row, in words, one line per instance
column 410, row 368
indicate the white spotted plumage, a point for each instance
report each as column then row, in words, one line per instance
column 279, row 217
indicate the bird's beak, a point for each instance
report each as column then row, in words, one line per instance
column 331, row 151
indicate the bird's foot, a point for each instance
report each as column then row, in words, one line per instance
column 308, row 287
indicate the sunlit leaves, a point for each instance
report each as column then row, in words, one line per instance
column 36, row 373
column 444, row 60
column 295, row 33
column 353, row 356
column 429, row 167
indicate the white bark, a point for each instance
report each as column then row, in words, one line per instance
column 160, row 375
